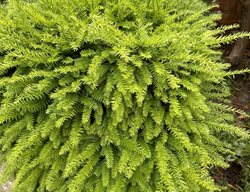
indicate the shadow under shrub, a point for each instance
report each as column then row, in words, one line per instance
column 113, row 96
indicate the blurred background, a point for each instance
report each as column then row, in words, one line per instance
column 237, row 177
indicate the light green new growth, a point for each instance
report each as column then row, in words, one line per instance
column 113, row 95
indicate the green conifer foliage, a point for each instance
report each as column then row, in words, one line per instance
column 112, row 95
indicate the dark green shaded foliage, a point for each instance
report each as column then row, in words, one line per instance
column 124, row 95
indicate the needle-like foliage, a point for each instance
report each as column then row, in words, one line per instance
column 112, row 95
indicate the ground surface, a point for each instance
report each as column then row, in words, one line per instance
column 6, row 186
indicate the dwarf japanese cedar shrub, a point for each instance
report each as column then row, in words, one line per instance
column 113, row 95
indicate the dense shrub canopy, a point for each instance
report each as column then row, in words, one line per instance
column 112, row 95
